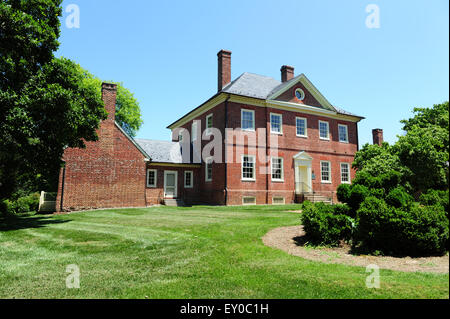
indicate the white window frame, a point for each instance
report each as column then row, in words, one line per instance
column 194, row 129
column 247, row 197
column 349, row 175
column 346, row 133
column 282, row 169
column 155, row 171
column 208, row 161
column 306, row 126
column 208, row 129
column 192, row 179
column 328, row 131
column 281, row 123
column 329, row 173
column 248, row 179
column 284, row 200
column 242, row 119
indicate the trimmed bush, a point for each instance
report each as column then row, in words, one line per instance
column 399, row 198
column 418, row 231
column 24, row 204
column 435, row 197
column 357, row 195
column 323, row 226
column 343, row 193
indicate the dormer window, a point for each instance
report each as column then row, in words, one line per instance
column 299, row 94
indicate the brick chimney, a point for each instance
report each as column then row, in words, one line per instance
column 109, row 92
column 377, row 136
column 287, row 73
column 224, row 74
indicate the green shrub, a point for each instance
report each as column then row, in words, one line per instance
column 343, row 193
column 323, row 226
column 6, row 208
column 418, row 231
column 435, row 197
column 357, row 195
column 24, row 204
column 398, row 197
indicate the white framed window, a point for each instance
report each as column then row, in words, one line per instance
column 278, row 201
column 208, row 169
column 277, row 169
column 188, row 179
column 301, row 127
column 325, row 171
column 247, row 120
column 299, row 94
column 324, row 130
column 209, row 124
column 343, row 133
column 152, row 176
column 194, row 131
column 345, row 173
column 248, row 167
column 276, row 123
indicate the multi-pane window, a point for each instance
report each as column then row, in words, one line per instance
column 188, row 179
column 300, row 124
column 209, row 123
column 248, row 167
column 248, row 120
column 194, row 131
column 343, row 133
column 345, row 172
column 324, row 130
column 208, row 170
column 151, row 178
column 325, row 171
column 277, row 169
column 276, row 122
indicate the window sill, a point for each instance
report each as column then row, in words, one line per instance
column 151, row 186
column 276, row 133
column 326, row 182
column 278, row 180
column 324, row 139
column 302, row 136
column 248, row 180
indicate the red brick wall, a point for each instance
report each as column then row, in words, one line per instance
column 107, row 173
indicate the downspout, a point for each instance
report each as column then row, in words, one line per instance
column 267, row 159
column 61, row 204
column 225, row 149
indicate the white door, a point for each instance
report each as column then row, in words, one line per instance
column 170, row 184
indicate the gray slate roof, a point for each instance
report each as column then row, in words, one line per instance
column 161, row 151
column 262, row 87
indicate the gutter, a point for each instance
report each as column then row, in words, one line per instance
column 225, row 146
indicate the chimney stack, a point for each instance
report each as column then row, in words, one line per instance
column 224, row 74
column 109, row 92
column 377, row 136
column 287, row 73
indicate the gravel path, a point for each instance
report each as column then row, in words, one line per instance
column 289, row 239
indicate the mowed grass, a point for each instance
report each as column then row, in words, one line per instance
column 165, row 252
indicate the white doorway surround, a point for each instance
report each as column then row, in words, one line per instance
column 303, row 173
column 170, row 184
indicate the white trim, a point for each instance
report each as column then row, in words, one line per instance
column 248, row 179
column 306, row 126
column 329, row 173
column 175, row 193
column 282, row 169
column 208, row 130
column 208, row 161
column 346, row 133
column 192, row 179
column 281, row 123
column 156, row 178
column 349, row 175
column 254, row 120
column 328, row 130
column 310, row 87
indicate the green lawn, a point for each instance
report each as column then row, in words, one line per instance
column 164, row 252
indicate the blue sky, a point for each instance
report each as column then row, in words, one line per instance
column 165, row 52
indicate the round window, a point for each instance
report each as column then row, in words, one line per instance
column 300, row 94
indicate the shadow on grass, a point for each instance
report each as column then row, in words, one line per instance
column 24, row 222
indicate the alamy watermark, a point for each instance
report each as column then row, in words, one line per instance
column 73, row 279
column 73, row 19
column 373, row 280
column 373, row 19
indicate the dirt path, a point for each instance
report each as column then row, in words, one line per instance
column 289, row 238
